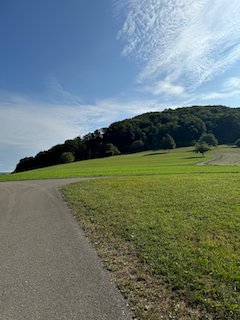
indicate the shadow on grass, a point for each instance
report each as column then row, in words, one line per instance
column 199, row 157
column 154, row 154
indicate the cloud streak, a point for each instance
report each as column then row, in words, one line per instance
column 34, row 124
column 165, row 87
column 56, row 88
column 186, row 42
column 230, row 89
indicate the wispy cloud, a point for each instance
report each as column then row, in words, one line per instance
column 165, row 87
column 232, row 83
column 230, row 89
column 30, row 123
column 56, row 88
column 187, row 41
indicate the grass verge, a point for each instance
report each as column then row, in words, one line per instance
column 172, row 240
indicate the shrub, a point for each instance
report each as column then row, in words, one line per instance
column 66, row 157
column 111, row 150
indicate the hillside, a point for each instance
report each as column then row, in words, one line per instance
column 144, row 132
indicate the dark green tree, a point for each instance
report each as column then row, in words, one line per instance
column 237, row 143
column 25, row 164
column 137, row 145
column 154, row 143
column 209, row 139
column 167, row 142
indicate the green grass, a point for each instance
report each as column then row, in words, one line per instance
column 184, row 227
column 180, row 221
column 180, row 160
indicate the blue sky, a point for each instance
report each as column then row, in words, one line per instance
column 70, row 67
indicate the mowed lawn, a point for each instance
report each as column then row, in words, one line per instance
column 166, row 228
column 180, row 160
column 185, row 227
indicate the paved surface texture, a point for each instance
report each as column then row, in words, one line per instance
column 48, row 269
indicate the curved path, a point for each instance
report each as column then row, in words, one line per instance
column 48, row 269
column 216, row 156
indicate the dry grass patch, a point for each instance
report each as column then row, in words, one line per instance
column 143, row 290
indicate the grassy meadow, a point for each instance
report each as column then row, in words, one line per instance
column 184, row 227
column 166, row 228
column 180, row 160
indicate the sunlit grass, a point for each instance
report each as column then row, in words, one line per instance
column 180, row 160
column 185, row 227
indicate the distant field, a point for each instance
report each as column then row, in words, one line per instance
column 180, row 160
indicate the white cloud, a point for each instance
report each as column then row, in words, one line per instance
column 41, row 125
column 191, row 40
column 230, row 89
column 218, row 96
column 35, row 126
column 165, row 87
column 232, row 83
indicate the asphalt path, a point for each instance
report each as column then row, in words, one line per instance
column 48, row 269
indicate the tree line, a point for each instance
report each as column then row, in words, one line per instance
column 148, row 131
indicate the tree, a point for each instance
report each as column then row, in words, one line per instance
column 237, row 143
column 66, row 157
column 25, row 164
column 167, row 142
column 137, row 145
column 154, row 143
column 209, row 139
column 202, row 148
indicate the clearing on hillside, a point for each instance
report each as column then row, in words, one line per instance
column 227, row 159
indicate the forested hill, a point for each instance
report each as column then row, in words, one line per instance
column 144, row 132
